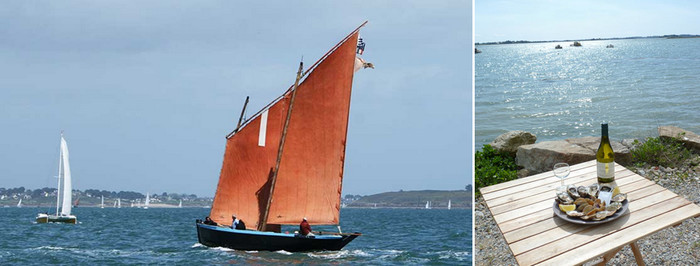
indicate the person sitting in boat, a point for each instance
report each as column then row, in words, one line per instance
column 305, row 228
column 240, row 225
column 209, row 221
column 235, row 222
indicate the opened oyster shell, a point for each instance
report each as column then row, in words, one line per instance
column 573, row 191
column 620, row 197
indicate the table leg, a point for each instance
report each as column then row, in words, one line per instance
column 608, row 256
column 637, row 253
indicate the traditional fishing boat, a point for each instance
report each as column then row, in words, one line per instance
column 64, row 214
column 285, row 163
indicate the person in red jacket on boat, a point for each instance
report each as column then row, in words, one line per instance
column 305, row 228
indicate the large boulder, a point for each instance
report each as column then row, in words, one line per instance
column 622, row 153
column 689, row 139
column 540, row 157
column 510, row 141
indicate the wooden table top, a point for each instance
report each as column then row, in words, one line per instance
column 523, row 210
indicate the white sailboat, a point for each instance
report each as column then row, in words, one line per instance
column 427, row 204
column 148, row 199
column 180, row 205
column 115, row 204
column 19, row 204
column 102, row 205
column 63, row 214
column 119, row 203
column 449, row 204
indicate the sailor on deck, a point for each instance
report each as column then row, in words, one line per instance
column 235, row 222
column 305, row 228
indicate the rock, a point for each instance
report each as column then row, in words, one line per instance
column 622, row 153
column 540, row 157
column 630, row 143
column 479, row 214
column 523, row 173
column 510, row 141
column 689, row 139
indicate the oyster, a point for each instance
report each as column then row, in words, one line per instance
column 573, row 191
column 584, row 192
column 564, row 198
column 620, row 197
column 574, row 213
column 606, row 188
column 601, row 215
column 613, row 207
column 593, row 190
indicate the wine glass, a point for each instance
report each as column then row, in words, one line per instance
column 561, row 170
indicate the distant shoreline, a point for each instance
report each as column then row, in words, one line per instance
column 680, row 36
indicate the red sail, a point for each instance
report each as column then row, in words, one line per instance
column 244, row 181
column 309, row 182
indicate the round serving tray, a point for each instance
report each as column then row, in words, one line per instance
column 577, row 220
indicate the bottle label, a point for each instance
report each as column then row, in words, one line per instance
column 606, row 170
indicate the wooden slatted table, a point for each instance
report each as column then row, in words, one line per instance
column 523, row 210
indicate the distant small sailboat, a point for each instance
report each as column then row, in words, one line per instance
column 119, row 203
column 180, row 205
column 115, row 204
column 449, row 204
column 102, row 205
column 148, row 199
column 19, row 204
column 427, row 204
column 62, row 216
column 132, row 204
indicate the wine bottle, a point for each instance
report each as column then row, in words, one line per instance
column 605, row 158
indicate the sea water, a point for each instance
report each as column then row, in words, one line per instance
column 636, row 86
column 112, row 236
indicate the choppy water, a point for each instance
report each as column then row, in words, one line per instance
column 556, row 94
column 128, row 235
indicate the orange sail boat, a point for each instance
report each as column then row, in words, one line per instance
column 285, row 163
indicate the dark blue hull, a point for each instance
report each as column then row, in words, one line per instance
column 215, row 236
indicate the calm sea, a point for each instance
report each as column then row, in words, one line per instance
column 129, row 235
column 556, row 94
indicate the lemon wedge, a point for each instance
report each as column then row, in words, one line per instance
column 567, row 208
column 616, row 191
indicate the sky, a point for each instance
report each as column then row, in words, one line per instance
column 146, row 91
column 544, row 20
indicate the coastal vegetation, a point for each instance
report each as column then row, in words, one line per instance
column 493, row 167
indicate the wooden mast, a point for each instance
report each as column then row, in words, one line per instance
column 263, row 223
column 240, row 119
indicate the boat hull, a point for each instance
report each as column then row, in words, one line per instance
column 215, row 236
column 44, row 218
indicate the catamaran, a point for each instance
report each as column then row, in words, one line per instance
column 63, row 214
column 285, row 163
